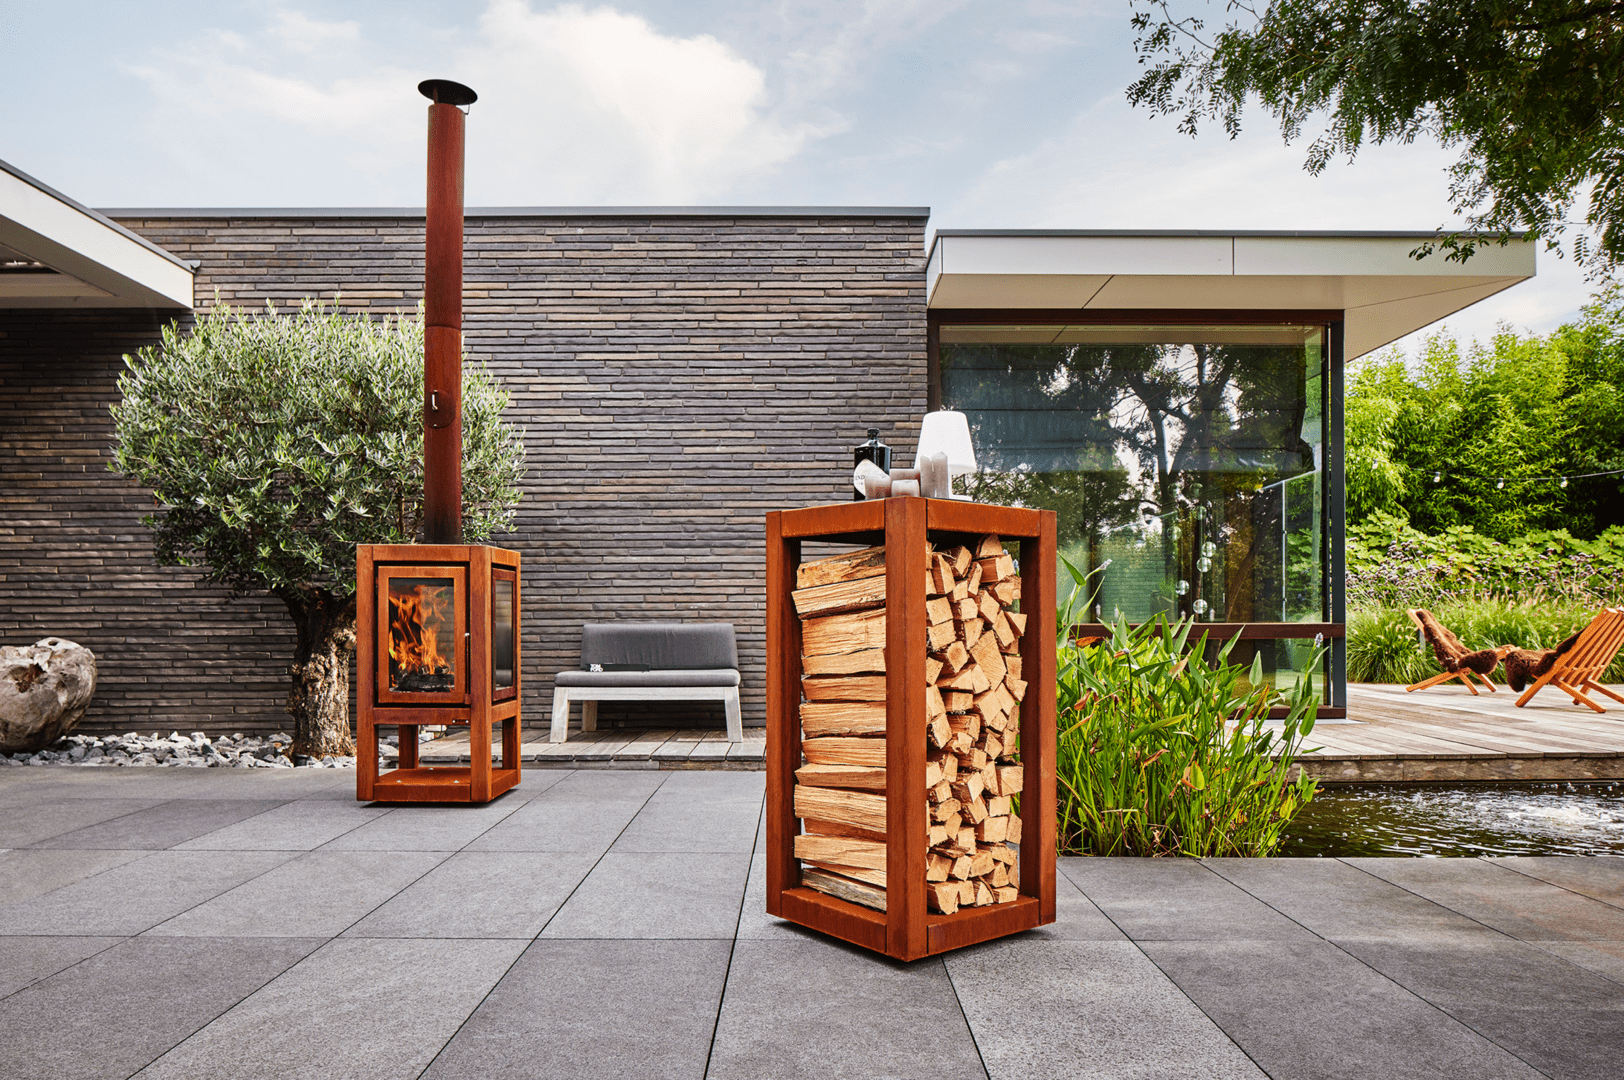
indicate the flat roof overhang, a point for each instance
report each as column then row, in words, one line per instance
column 1369, row 276
column 55, row 252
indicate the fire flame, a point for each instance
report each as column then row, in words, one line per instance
column 416, row 619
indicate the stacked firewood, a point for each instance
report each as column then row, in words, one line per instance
column 972, row 711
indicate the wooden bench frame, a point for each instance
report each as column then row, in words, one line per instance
column 1581, row 667
column 589, row 696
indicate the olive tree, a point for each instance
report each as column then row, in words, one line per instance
column 274, row 443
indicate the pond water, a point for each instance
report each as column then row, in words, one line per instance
column 1460, row 820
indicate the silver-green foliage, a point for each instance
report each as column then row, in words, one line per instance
column 274, row 443
column 1162, row 751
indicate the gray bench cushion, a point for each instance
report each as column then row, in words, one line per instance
column 686, row 677
column 656, row 646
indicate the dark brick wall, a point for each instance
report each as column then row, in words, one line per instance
column 677, row 377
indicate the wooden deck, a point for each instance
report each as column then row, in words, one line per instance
column 685, row 748
column 1445, row 734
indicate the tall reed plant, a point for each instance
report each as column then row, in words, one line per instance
column 1164, row 752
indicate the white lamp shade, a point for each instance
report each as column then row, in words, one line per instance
column 947, row 432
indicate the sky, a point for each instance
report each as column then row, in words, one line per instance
column 994, row 113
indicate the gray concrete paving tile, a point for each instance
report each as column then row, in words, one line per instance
column 427, row 827
column 1516, row 904
column 1599, row 878
column 481, row 894
column 357, row 1009
column 30, row 822
column 317, row 894
column 1309, row 1011
column 129, row 899
column 1175, row 899
column 162, row 826
column 1341, row 902
column 25, row 960
column 585, row 811
column 575, row 1010
column 1076, row 918
column 301, row 825
column 754, row 922
column 34, row 873
column 1605, row 958
column 1562, row 1020
column 120, row 1009
column 699, row 811
column 656, row 895
column 821, row 1009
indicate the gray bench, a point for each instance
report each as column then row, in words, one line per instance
column 652, row 661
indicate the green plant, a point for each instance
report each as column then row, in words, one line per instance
column 274, row 444
column 1162, row 751
column 1383, row 646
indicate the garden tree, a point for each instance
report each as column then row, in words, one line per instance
column 274, row 443
column 1532, row 91
column 1521, row 406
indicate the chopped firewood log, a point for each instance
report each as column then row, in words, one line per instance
column 936, row 835
column 975, row 761
column 976, row 811
column 856, row 873
column 970, row 631
column 852, row 663
column 1006, row 700
column 996, row 569
column 942, row 571
column 869, row 562
column 1017, row 619
column 962, row 680
column 1016, row 688
column 840, row 596
column 965, row 610
column 833, row 804
column 940, row 636
column 989, row 777
column 1003, row 854
column 967, row 893
column 997, row 879
column 842, row 718
column 933, row 773
column 844, row 688
column 1010, row 779
column 937, row 867
column 966, row 722
column 960, row 592
column 1014, row 665
column 959, row 869
column 843, row 633
column 939, row 610
column 1004, row 631
column 979, row 682
column 987, row 605
column 933, row 669
column 940, row 792
column 954, row 657
column 943, row 897
column 972, row 584
column 961, row 557
column 966, row 841
column 837, row 828
column 1006, row 894
column 992, row 830
column 992, row 744
column 988, row 708
column 1014, row 836
column 950, row 766
column 839, row 750
column 945, row 809
column 844, row 888
column 998, row 806
column 1007, row 591
column 990, row 547
column 843, row 850
column 982, row 861
column 938, row 730
column 961, row 742
column 862, row 777
column 969, row 789
column 983, row 895
column 999, row 724
column 934, row 705
column 957, row 700
column 987, row 657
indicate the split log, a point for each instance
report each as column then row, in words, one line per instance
column 840, row 596
column 999, row 876
column 842, row 718
column 863, row 661
column 938, row 730
column 999, row 806
column 940, row 636
column 842, row 850
column 937, row 867
column 875, row 878
column 848, row 807
column 942, row 570
column 972, row 584
column 1007, row 894
column 976, row 811
column 867, row 563
column 861, row 777
column 996, row 569
column 954, row 657
column 945, row 809
column 961, row 557
column 1003, row 854
column 1016, row 688
column 990, row 547
column 838, row 750
column 1014, row 835
column 987, row 657
column 934, row 705
column 1010, row 779
column 933, row 773
column 982, row 861
column 943, row 898
column 844, row 888
column 971, row 630
column 940, row 792
column 960, row 868
column 1004, row 631
column 935, row 835
column 960, row 591
column 933, row 669
column 1017, row 619
column 1014, row 665
column 992, row 744
column 939, row 610
column 957, row 700
column 983, row 895
column 843, row 633
column 987, row 605
column 837, row 828
column 844, row 688
column 1007, row 591
column 992, row 830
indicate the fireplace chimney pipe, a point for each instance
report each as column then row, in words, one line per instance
column 442, row 314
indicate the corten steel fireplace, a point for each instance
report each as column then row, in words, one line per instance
column 437, row 623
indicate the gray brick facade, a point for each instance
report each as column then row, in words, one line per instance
column 677, row 376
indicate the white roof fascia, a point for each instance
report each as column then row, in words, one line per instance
column 102, row 264
column 1384, row 293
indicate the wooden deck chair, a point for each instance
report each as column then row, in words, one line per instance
column 1579, row 667
column 1457, row 661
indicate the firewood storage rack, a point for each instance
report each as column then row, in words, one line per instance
column 907, row 929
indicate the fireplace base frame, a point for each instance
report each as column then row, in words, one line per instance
column 479, row 781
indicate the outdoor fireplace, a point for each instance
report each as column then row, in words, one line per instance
column 437, row 637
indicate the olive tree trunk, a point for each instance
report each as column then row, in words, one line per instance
column 319, row 700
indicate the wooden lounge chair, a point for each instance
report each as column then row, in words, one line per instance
column 1574, row 666
column 1457, row 661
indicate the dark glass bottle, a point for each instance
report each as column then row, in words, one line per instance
column 873, row 450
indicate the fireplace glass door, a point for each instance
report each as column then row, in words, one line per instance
column 422, row 634
column 504, row 643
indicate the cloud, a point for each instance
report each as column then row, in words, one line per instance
column 299, row 31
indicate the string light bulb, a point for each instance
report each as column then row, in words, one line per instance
column 1564, row 481
column 1500, row 483
column 1437, row 477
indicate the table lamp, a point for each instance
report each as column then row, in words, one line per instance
column 948, row 432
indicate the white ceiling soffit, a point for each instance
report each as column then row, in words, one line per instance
column 1384, row 293
column 56, row 253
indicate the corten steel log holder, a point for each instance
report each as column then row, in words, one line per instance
column 907, row 930
column 478, row 572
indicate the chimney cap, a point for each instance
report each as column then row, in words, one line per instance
column 446, row 92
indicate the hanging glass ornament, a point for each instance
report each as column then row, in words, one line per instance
column 1203, row 564
column 1182, row 587
column 1209, row 549
column 1199, row 607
